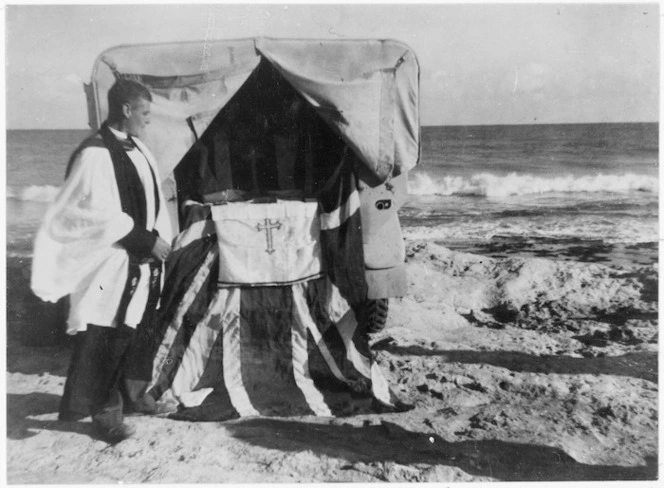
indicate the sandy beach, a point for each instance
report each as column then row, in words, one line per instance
column 514, row 147
column 520, row 368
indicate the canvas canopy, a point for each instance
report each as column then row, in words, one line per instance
column 259, row 313
column 365, row 90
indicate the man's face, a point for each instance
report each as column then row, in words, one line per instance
column 137, row 116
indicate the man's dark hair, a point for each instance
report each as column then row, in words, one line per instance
column 125, row 91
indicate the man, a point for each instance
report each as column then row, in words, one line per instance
column 103, row 242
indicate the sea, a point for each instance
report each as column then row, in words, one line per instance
column 581, row 192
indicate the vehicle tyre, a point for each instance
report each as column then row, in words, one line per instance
column 374, row 315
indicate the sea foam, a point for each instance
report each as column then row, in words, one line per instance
column 513, row 184
column 627, row 231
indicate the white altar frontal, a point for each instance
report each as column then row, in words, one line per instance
column 267, row 244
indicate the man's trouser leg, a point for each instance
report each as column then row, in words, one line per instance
column 92, row 386
column 137, row 370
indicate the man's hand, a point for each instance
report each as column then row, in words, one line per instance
column 161, row 250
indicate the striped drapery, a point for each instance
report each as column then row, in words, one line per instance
column 228, row 352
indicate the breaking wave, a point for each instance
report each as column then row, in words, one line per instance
column 496, row 186
column 35, row 193
column 479, row 185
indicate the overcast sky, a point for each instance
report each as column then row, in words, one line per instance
column 480, row 63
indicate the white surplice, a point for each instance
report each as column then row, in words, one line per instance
column 76, row 251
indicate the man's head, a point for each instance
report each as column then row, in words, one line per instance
column 129, row 106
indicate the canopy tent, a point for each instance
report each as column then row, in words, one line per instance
column 366, row 91
column 260, row 312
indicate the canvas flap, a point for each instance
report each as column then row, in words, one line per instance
column 189, row 81
column 366, row 90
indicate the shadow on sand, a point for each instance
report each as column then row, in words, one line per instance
column 21, row 407
column 382, row 443
column 389, row 442
column 637, row 365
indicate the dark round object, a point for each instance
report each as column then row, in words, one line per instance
column 374, row 315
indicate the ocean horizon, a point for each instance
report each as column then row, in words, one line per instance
column 475, row 185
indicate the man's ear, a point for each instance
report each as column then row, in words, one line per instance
column 126, row 110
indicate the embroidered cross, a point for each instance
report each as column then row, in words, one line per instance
column 267, row 227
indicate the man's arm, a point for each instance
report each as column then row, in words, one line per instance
column 97, row 169
column 139, row 242
column 79, row 228
column 145, row 244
